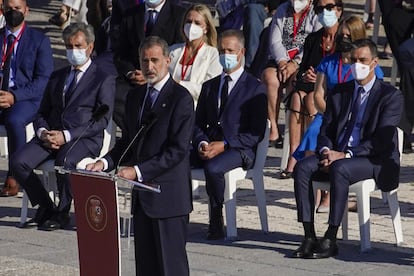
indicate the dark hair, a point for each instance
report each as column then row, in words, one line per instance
column 365, row 42
column 232, row 33
column 74, row 28
column 152, row 41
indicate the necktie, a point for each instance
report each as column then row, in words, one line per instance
column 352, row 121
column 149, row 101
column 7, row 63
column 152, row 18
column 72, row 85
column 224, row 93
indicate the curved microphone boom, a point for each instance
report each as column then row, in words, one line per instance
column 96, row 116
column 152, row 118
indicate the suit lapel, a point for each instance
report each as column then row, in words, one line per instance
column 374, row 94
column 214, row 94
column 83, row 83
column 162, row 18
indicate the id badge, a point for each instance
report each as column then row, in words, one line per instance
column 293, row 52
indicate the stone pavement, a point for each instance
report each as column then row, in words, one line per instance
column 33, row 252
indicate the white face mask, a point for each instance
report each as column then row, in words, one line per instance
column 360, row 71
column 328, row 18
column 299, row 5
column 76, row 57
column 193, row 31
column 2, row 21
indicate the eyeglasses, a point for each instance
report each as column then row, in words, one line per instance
column 329, row 7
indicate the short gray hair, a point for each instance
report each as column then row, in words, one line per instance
column 152, row 41
column 74, row 28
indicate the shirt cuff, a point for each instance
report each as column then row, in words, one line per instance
column 67, row 135
column 202, row 143
column 139, row 175
column 323, row 149
column 105, row 163
column 39, row 132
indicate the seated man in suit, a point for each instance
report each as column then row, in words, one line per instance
column 27, row 63
column 357, row 141
column 157, row 18
column 66, row 125
column 230, row 122
column 159, row 120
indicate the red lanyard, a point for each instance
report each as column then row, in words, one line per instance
column 340, row 72
column 185, row 66
column 9, row 51
column 301, row 19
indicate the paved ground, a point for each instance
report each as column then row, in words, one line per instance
column 33, row 252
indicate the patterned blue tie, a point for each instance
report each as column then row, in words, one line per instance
column 352, row 121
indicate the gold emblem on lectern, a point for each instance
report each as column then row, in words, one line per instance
column 96, row 213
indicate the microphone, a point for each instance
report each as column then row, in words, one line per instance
column 96, row 116
column 152, row 118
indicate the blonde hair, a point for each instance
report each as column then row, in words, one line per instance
column 211, row 36
column 356, row 27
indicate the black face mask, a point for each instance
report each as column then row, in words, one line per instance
column 343, row 44
column 13, row 18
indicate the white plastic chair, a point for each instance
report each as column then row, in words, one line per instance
column 231, row 178
column 363, row 189
column 3, row 138
column 47, row 169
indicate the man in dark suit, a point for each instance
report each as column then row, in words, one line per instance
column 230, row 122
column 158, row 18
column 26, row 66
column 357, row 141
column 164, row 113
column 64, row 118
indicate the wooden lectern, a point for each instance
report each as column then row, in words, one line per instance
column 97, row 220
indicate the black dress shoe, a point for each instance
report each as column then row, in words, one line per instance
column 325, row 249
column 42, row 215
column 55, row 223
column 216, row 226
column 305, row 250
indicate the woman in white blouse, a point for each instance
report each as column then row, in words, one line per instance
column 196, row 60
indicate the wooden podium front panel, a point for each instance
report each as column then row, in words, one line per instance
column 97, row 224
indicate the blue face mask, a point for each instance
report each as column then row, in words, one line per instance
column 328, row 18
column 228, row 61
column 153, row 3
column 76, row 57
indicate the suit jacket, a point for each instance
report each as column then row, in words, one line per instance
column 243, row 120
column 94, row 89
column 206, row 65
column 378, row 136
column 132, row 33
column 162, row 151
column 33, row 65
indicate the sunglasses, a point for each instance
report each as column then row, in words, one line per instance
column 329, row 7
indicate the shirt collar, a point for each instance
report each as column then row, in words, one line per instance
column 159, row 85
column 16, row 33
column 367, row 87
column 234, row 75
column 157, row 8
column 84, row 67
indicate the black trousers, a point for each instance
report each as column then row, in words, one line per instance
column 32, row 155
column 342, row 173
column 160, row 244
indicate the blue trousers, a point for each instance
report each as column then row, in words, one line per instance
column 342, row 173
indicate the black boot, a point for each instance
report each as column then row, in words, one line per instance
column 216, row 227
